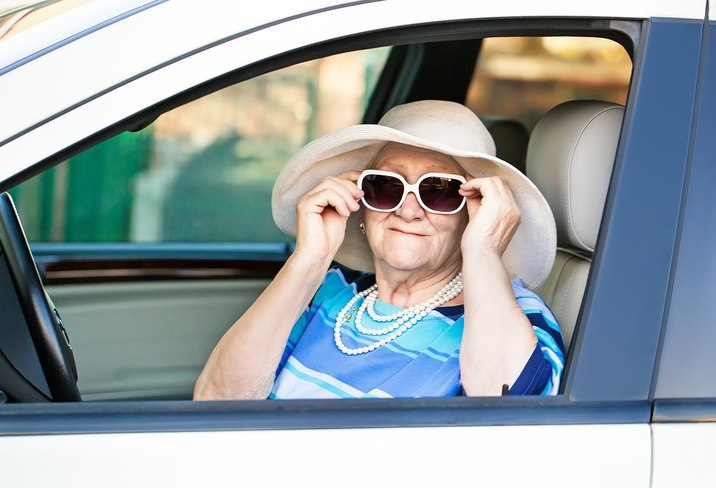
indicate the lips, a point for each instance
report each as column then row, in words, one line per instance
column 407, row 232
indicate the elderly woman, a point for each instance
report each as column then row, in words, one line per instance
column 443, row 241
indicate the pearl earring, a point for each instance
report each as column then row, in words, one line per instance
column 362, row 227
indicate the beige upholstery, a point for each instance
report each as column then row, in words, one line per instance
column 570, row 158
column 563, row 289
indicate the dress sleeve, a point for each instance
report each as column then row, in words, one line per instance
column 542, row 373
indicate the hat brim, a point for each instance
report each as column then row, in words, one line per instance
column 530, row 254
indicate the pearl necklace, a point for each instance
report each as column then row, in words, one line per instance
column 403, row 319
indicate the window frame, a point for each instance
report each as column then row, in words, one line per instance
column 638, row 235
column 593, row 392
column 686, row 360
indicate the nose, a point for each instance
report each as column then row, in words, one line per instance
column 410, row 209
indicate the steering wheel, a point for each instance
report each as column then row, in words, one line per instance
column 46, row 336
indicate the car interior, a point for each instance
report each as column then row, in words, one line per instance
column 570, row 159
column 143, row 316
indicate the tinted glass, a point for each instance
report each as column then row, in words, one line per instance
column 202, row 172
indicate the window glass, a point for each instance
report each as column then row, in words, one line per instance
column 203, row 171
column 523, row 77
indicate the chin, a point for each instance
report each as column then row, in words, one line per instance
column 407, row 262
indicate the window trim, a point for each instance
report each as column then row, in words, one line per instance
column 685, row 362
column 179, row 416
column 607, row 398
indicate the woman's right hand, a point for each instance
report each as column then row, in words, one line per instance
column 243, row 364
column 322, row 213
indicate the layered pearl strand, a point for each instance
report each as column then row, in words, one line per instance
column 403, row 320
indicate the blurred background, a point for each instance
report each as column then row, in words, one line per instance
column 203, row 172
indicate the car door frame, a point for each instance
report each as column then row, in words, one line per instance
column 586, row 385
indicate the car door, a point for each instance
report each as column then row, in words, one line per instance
column 685, row 394
column 598, row 426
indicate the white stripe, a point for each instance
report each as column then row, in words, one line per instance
column 294, row 386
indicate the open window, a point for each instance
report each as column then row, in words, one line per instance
column 153, row 241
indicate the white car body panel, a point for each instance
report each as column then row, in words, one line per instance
column 124, row 40
column 683, row 454
column 539, row 456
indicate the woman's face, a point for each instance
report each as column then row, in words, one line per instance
column 410, row 238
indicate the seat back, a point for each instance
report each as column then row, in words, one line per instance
column 570, row 158
column 511, row 139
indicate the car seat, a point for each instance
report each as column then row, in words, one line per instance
column 511, row 139
column 570, row 158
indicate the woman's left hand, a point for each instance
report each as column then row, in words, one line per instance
column 498, row 338
column 494, row 214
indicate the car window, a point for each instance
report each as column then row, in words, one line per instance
column 202, row 172
column 521, row 78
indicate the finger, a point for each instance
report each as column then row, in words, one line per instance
column 350, row 192
column 341, row 183
column 335, row 196
column 471, row 189
column 343, row 207
column 470, row 192
column 492, row 186
column 349, row 180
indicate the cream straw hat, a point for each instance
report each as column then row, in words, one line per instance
column 446, row 127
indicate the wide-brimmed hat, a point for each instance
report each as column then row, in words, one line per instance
column 445, row 127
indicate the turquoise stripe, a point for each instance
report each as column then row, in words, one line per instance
column 545, row 314
column 438, row 355
column 526, row 297
column 554, row 358
column 364, row 340
column 436, row 341
column 318, row 382
column 545, row 339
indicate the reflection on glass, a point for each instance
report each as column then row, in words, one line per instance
column 202, row 172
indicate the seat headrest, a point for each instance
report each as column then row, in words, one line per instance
column 511, row 139
column 570, row 158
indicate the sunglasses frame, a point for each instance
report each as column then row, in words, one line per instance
column 408, row 188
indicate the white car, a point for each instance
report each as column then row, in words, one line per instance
column 139, row 141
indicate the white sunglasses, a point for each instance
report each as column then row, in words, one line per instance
column 385, row 191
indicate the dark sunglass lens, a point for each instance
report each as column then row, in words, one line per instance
column 381, row 191
column 440, row 193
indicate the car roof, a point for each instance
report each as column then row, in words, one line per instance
column 104, row 46
column 47, row 24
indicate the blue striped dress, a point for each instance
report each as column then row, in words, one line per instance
column 422, row 362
